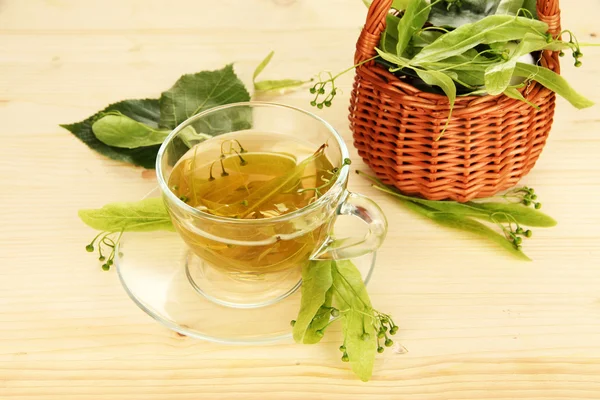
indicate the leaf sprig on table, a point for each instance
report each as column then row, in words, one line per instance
column 511, row 217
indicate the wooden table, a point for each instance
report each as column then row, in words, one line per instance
column 475, row 324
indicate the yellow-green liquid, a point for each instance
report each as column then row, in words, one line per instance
column 253, row 176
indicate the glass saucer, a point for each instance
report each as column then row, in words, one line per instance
column 154, row 270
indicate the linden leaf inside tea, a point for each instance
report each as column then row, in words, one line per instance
column 254, row 176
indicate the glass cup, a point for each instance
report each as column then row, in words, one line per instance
column 223, row 263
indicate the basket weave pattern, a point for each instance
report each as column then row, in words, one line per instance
column 489, row 145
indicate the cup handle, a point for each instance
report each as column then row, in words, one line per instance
column 370, row 213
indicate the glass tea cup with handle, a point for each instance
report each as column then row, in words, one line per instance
column 240, row 260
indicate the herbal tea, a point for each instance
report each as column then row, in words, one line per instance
column 253, row 176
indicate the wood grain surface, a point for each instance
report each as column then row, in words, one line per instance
column 475, row 324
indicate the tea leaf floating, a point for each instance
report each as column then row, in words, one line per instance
column 279, row 184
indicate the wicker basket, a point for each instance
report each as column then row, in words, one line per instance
column 491, row 141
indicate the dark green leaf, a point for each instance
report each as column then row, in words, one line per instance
column 316, row 282
column 351, row 296
column 425, row 38
column 470, row 11
column 531, row 6
column 140, row 216
column 492, row 29
column 145, row 111
column 118, row 130
column 554, row 82
column 194, row 93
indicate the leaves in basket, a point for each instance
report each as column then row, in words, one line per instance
column 492, row 29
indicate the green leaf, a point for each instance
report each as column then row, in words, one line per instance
column 513, row 93
column 194, row 93
column 498, row 76
column 480, row 210
column 492, row 29
column 554, row 82
column 466, row 224
column 141, row 216
column 445, row 82
column 350, row 295
column 531, row 6
column 263, row 64
column 280, row 84
column 320, row 321
column 278, row 185
column 520, row 213
column 414, row 18
column 145, row 111
column 316, row 281
column 425, row 38
column 401, row 62
column 118, row 130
